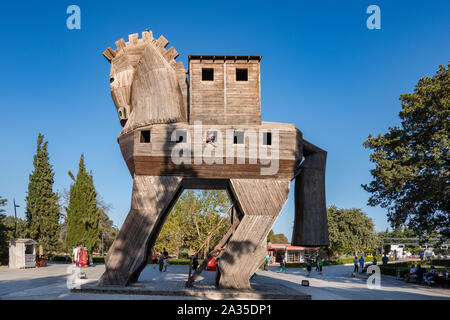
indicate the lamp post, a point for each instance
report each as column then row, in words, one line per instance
column 15, row 217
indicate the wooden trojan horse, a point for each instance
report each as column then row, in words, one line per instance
column 206, row 133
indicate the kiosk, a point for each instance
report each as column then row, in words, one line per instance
column 22, row 253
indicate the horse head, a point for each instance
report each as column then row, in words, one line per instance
column 147, row 85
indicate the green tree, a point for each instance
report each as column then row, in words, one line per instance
column 22, row 230
column 198, row 220
column 280, row 238
column 107, row 230
column 42, row 208
column 82, row 212
column 270, row 236
column 3, row 234
column 210, row 223
column 350, row 231
column 411, row 174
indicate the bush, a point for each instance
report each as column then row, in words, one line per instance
column 392, row 271
column 440, row 262
column 98, row 259
column 331, row 262
column 183, row 261
column 404, row 267
column 58, row 257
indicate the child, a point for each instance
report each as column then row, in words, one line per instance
column 211, row 139
column 283, row 265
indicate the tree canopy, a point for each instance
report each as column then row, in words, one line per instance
column 107, row 229
column 22, row 227
column 83, row 214
column 350, row 231
column 42, row 208
column 411, row 174
column 278, row 238
column 196, row 216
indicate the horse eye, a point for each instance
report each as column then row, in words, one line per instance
column 111, row 80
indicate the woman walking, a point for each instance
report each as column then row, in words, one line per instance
column 355, row 263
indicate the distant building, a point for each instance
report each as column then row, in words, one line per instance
column 293, row 253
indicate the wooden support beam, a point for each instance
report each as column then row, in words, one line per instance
column 152, row 199
column 310, row 223
column 260, row 201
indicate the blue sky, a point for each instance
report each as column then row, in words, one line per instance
column 322, row 70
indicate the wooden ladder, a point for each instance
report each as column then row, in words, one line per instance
column 215, row 253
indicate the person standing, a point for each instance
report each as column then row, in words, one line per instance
column 385, row 259
column 266, row 262
column 317, row 263
column 309, row 266
column 361, row 263
column 283, row 265
column 161, row 262
column 421, row 256
column 165, row 259
column 355, row 263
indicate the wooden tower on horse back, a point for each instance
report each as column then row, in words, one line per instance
column 207, row 133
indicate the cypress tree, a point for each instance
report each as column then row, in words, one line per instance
column 3, row 235
column 42, row 208
column 83, row 214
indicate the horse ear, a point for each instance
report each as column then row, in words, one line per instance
column 109, row 54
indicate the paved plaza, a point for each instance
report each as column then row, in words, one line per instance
column 336, row 283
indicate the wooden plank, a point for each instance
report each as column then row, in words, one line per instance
column 164, row 166
column 151, row 202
